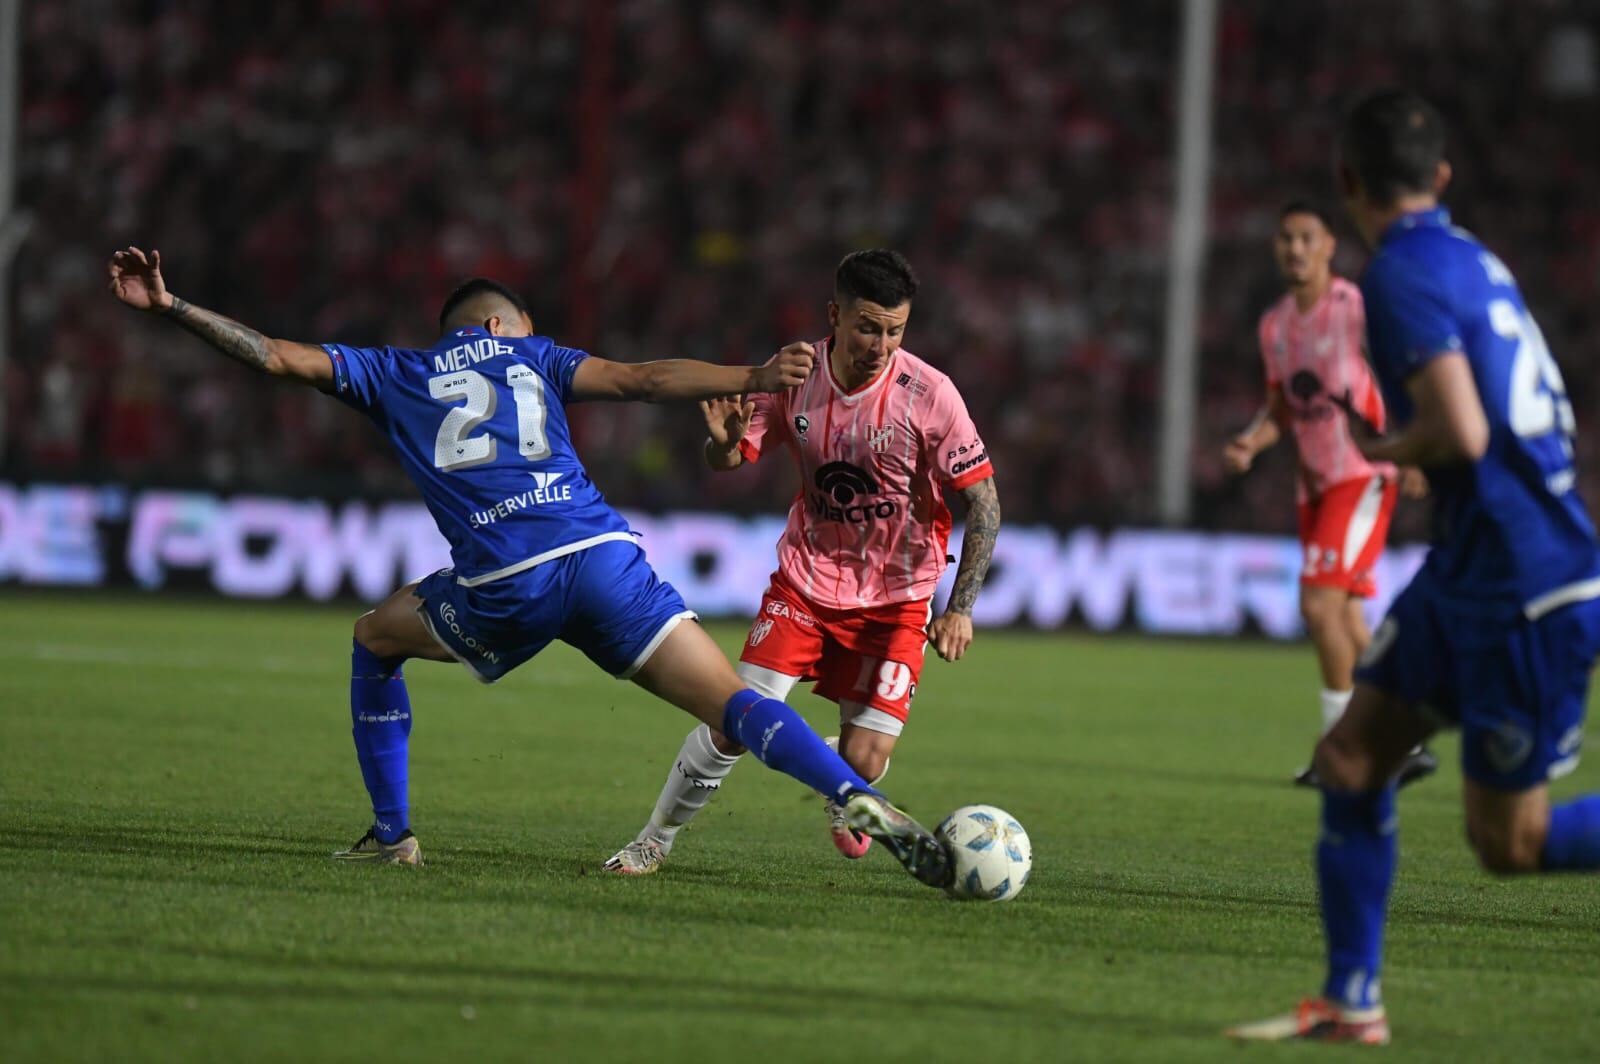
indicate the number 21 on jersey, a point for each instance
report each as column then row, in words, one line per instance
column 1538, row 396
column 456, row 448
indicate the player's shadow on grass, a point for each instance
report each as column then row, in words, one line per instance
column 455, row 983
column 1131, row 772
column 135, row 854
column 1219, row 902
column 165, row 842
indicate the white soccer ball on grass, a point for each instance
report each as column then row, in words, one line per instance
column 991, row 851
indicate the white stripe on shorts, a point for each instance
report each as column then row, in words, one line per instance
column 548, row 556
column 1362, row 522
column 1582, row 591
column 655, row 643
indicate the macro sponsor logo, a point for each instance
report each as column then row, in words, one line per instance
column 1305, row 388
column 447, row 614
column 843, row 487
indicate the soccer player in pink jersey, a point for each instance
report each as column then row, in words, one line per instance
column 1311, row 343
column 877, row 435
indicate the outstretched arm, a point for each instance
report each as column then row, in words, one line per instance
column 1448, row 426
column 687, row 378
column 951, row 632
column 137, row 281
column 1263, row 431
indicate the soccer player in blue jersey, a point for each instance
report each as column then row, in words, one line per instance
column 479, row 422
column 1497, row 633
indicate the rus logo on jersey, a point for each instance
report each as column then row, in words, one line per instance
column 841, row 485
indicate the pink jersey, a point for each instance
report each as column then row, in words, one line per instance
column 869, row 526
column 1313, row 356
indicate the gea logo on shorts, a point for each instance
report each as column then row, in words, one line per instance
column 841, row 484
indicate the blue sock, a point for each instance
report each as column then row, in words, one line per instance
column 380, row 717
column 1573, row 842
column 781, row 739
column 1355, row 865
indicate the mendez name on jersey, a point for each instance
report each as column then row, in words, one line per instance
column 480, row 423
column 1511, row 525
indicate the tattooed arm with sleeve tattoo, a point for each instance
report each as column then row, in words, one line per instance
column 951, row 631
column 136, row 280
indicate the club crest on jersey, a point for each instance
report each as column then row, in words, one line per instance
column 802, row 425
column 760, row 631
column 880, row 439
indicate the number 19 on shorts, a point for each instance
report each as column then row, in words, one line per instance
column 889, row 680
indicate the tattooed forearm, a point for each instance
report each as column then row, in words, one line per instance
column 223, row 333
column 977, row 545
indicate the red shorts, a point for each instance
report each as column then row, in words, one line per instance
column 869, row 656
column 1343, row 531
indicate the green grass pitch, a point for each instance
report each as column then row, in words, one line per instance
column 173, row 775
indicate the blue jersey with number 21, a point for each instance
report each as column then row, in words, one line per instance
column 480, row 423
column 1511, row 526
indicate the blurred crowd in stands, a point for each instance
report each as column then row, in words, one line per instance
column 665, row 178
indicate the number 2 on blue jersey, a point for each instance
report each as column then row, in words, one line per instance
column 1538, row 395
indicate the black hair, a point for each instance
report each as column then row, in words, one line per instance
column 1307, row 206
column 878, row 275
column 1393, row 141
column 477, row 286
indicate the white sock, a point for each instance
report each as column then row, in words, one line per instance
column 697, row 772
column 1333, row 703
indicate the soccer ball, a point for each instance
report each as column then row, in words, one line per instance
column 991, row 853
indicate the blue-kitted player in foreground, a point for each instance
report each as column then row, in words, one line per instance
column 1497, row 633
column 479, row 422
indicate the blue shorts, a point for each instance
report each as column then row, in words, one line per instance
column 1517, row 688
column 605, row 600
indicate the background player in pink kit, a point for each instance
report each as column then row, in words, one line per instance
column 877, row 435
column 1316, row 372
